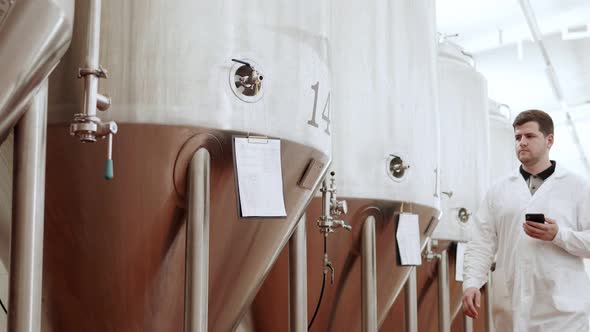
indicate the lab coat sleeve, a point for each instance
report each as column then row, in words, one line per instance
column 577, row 241
column 480, row 251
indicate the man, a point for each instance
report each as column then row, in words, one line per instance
column 539, row 282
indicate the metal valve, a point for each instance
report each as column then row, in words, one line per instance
column 328, row 267
column 109, row 170
column 87, row 126
column 338, row 207
column 463, row 215
column 331, row 206
column 429, row 254
column 397, row 168
column 448, row 193
column 342, row 224
column 247, row 80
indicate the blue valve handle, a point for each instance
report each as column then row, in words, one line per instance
column 109, row 171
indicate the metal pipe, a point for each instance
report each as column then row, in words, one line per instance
column 92, row 56
column 197, row 244
column 298, row 278
column 467, row 324
column 444, row 312
column 325, row 198
column 411, row 302
column 26, row 252
column 47, row 25
column 103, row 102
column 369, row 276
column 489, row 299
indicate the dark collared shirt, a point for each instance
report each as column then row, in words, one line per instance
column 535, row 181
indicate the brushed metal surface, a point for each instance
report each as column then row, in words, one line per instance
column 464, row 140
column 6, row 181
column 384, row 81
column 444, row 300
column 411, row 298
column 369, row 276
column 196, row 294
column 428, row 297
column 502, row 150
column 169, row 62
column 169, row 66
column 341, row 305
column 33, row 38
column 298, row 278
column 115, row 250
column 26, row 245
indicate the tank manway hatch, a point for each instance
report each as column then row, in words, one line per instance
column 246, row 80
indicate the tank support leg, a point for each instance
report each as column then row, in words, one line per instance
column 298, row 278
column 369, row 276
column 411, row 302
column 26, row 248
column 444, row 312
column 467, row 324
column 197, row 243
column 488, row 295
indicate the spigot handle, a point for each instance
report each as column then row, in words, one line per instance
column 109, row 173
column 343, row 224
column 331, row 267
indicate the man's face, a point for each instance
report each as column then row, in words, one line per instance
column 531, row 144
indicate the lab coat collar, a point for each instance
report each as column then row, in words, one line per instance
column 559, row 173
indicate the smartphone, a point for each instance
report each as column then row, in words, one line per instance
column 535, row 217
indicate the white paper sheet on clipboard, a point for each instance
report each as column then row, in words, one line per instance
column 260, row 177
column 408, row 239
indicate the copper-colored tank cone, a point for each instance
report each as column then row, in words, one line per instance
column 427, row 282
column 340, row 309
column 115, row 250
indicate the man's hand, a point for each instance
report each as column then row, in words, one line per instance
column 545, row 232
column 471, row 301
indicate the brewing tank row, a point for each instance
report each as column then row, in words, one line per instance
column 365, row 91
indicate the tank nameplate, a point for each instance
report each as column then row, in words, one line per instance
column 311, row 174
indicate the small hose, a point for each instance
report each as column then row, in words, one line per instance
column 317, row 308
column 3, row 307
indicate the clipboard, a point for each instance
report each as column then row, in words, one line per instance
column 259, row 178
column 407, row 236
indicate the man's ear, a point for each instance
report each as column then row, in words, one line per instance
column 550, row 140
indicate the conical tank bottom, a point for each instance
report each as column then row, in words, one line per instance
column 115, row 250
column 428, row 296
column 341, row 309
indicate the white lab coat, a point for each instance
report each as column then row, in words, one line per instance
column 537, row 285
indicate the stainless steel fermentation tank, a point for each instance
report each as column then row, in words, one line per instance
column 502, row 145
column 34, row 35
column 114, row 256
column 464, row 129
column 502, row 162
column 385, row 162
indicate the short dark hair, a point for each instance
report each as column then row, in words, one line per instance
column 543, row 119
